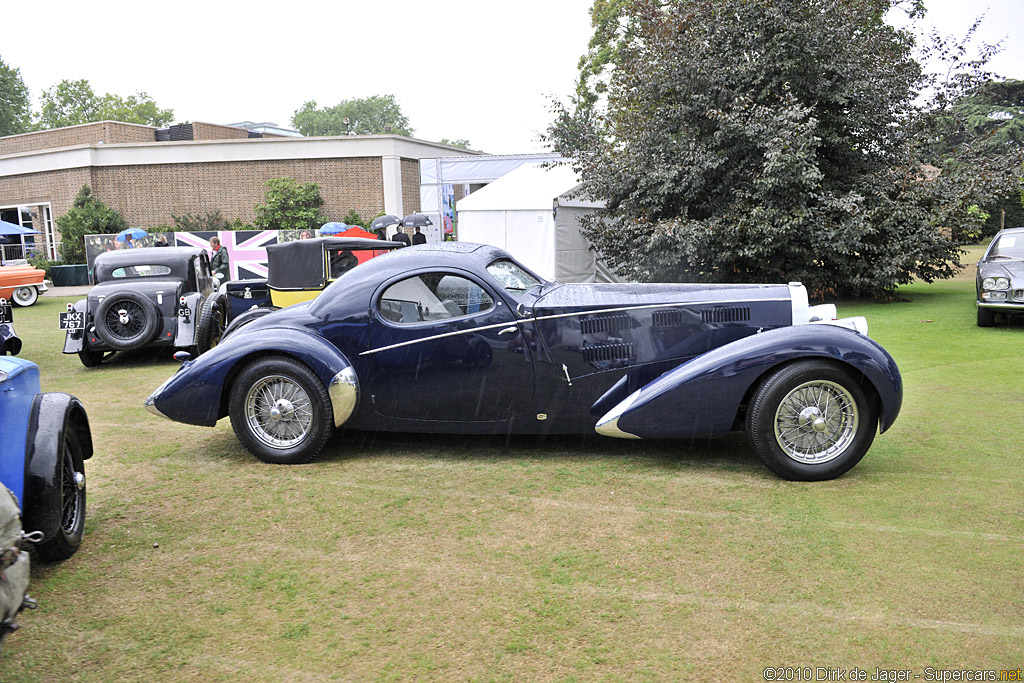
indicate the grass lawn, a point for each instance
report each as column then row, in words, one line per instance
column 396, row 557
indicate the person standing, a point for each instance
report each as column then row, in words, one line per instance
column 219, row 262
column 400, row 236
column 419, row 237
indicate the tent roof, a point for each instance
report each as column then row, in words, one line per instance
column 529, row 187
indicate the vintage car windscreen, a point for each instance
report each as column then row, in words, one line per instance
column 1008, row 247
column 433, row 296
column 512, row 278
column 140, row 271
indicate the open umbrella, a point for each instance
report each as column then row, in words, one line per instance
column 134, row 233
column 333, row 228
column 14, row 229
column 384, row 222
column 416, row 219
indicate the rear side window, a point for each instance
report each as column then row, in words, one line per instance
column 140, row 271
column 433, row 296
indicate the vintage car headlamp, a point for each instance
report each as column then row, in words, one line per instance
column 995, row 283
column 993, row 296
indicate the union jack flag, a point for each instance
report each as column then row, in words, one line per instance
column 247, row 249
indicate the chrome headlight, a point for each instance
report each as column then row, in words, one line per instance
column 995, row 283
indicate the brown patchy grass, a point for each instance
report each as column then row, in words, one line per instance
column 396, row 557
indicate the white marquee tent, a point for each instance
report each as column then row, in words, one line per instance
column 531, row 212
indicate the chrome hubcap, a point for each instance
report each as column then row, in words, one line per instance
column 278, row 411
column 816, row 422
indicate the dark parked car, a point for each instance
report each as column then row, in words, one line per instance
column 297, row 271
column 146, row 297
column 460, row 338
column 1000, row 281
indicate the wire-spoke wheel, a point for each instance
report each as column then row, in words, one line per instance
column 811, row 420
column 280, row 411
column 127, row 320
column 816, row 422
column 70, row 497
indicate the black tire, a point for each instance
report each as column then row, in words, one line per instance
column 799, row 437
column 90, row 358
column 69, row 498
column 303, row 422
column 210, row 328
column 986, row 317
column 25, row 296
column 245, row 318
column 136, row 328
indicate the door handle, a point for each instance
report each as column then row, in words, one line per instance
column 507, row 330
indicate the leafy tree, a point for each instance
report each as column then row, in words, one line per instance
column 372, row 115
column 290, row 205
column 70, row 103
column 764, row 140
column 463, row 143
column 353, row 218
column 87, row 216
column 15, row 108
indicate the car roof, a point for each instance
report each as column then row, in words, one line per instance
column 146, row 255
column 1008, row 231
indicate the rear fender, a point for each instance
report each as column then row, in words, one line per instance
column 198, row 393
column 703, row 396
column 185, row 330
column 52, row 414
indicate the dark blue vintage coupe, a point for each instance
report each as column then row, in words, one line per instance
column 460, row 338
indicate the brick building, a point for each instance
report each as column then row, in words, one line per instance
column 150, row 174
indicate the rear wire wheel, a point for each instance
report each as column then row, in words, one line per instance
column 811, row 421
column 280, row 411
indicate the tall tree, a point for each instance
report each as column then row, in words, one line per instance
column 15, row 107
column 762, row 140
column 374, row 115
column 290, row 205
column 87, row 216
column 70, row 103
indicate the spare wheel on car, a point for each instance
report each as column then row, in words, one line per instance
column 127, row 320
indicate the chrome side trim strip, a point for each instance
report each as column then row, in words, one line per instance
column 609, row 424
column 344, row 393
column 561, row 315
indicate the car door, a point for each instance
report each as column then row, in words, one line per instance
column 446, row 347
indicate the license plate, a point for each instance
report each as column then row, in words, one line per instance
column 6, row 313
column 184, row 312
column 75, row 320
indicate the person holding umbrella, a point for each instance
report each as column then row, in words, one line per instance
column 379, row 226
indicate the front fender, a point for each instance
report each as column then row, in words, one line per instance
column 702, row 397
column 52, row 415
column 198, row 393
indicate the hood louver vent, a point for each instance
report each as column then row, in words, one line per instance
column 607, row 352
column 608, row 323
column 732, row 314
column 670, row 318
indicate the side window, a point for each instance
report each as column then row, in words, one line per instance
column 433, row 296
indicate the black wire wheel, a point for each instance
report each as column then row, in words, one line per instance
column 811, row 420
column 70, row 499
column 212, row 321
column 280, row 411
column 127, row 320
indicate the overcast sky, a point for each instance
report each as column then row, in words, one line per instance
column 474, row 69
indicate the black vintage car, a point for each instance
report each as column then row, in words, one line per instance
column 1000, row 281
column 146, row 297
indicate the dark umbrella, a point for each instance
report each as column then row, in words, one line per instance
column 414, row 220
column 134, row 233
column 384, row 222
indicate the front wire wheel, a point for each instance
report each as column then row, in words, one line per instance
column 811, row 420
column 70, row 500
column 280, row 411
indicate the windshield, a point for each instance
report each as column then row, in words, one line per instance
column 1008, row 247
column 512, row 278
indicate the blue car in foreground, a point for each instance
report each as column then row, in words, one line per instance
column 460, row 338
column 46, row 441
